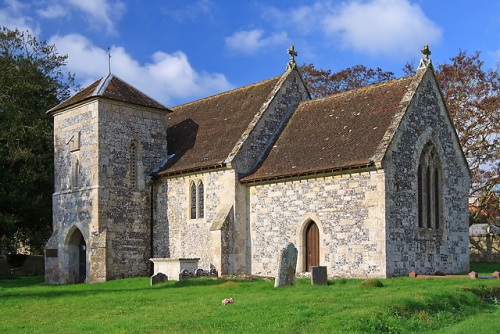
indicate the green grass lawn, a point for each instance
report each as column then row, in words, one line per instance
column 400, row 305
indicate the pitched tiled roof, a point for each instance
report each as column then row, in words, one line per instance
column 113, row 88
column 202, row 134
column 338, row 132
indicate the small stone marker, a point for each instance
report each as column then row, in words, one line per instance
column 495, row 275
column 319, row 275
column 472, row 274
column 287, row 262
column 158, row 278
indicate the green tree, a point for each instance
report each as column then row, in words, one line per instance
column 31, row 82
column 322, row 82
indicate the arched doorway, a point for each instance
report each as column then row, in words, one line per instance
column 77, row 256
column 312, row 245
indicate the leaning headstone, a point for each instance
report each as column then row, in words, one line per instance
column 287, row 262
column 158, row 278
column 319, row 275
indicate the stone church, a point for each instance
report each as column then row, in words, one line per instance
column 369, row 183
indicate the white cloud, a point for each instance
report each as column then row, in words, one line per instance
column 12, row 17
column 100, row 12
column 201, row 8
column 169, row 78
column 376, row 27
column 251, row 41
column 382, row 26
column 52, row 12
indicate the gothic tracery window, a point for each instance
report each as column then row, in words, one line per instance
column 429, row 184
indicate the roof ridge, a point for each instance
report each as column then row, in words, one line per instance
column 353, row 91
column 226, row 92
column 103, row 85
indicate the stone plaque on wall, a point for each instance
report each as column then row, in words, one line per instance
column 51, row 252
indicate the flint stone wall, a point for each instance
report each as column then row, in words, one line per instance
column 103, row 204
column 73, row 206
column 423, row 250
column 348, row 209
column 178, row 236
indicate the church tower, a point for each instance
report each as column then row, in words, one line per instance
column 107, row 140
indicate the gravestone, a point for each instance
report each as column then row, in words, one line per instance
column 158, row 278
column 287, row 262
column 319, row 275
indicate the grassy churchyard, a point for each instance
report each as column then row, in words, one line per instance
column 398, row 305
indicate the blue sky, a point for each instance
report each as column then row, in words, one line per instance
column 177, row 51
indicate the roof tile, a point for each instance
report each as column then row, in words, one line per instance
column 203, row 133
column 113, row 88
column 337, row 132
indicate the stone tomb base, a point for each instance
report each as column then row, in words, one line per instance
column 172, row 267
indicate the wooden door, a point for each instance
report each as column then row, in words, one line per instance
column 82, row 261
column 312, row 245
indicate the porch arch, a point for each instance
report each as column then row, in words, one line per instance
column 77, row 256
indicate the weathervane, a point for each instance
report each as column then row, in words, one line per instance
column 291, row 51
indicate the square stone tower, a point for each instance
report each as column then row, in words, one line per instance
column 107, row 140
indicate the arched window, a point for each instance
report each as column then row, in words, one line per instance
column 201, row 200
column 193, row 200
column 196, row 199
column 429, row 184
column 133, row 174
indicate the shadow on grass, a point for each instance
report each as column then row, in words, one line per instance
column 22, row 282
column 15, row 288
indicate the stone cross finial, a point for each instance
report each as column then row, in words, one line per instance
column 426, row 52
column 425, row 61
column 291, row 51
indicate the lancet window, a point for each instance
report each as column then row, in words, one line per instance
column 197, row 199
column 429, row 189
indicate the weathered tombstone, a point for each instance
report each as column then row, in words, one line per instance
column 213, row 271
column 287, row 262
column 319, row 275
column 185, row 274
column 158, row 278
